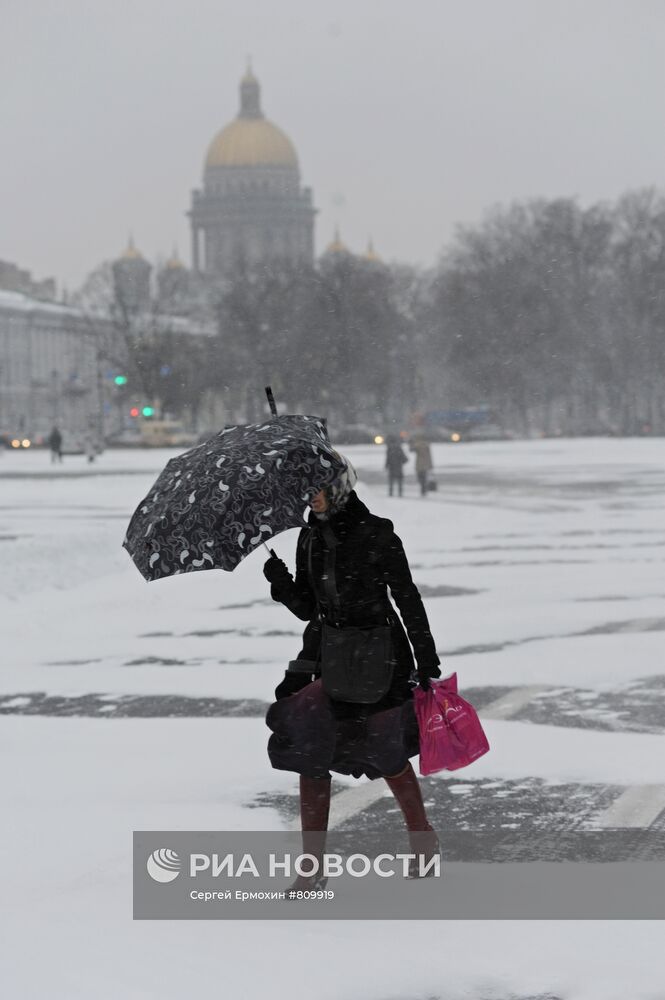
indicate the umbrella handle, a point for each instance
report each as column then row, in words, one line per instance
column 271, row 401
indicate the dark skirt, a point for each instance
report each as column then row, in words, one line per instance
column 313, row 735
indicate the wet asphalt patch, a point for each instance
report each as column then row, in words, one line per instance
column 83, row 473
column 535, row 547
column 455, row 480
column 632, row 625
column 601, row 598
column 496, row 806
column 480, row 996
column 606, row 628
column 484, row 563
column 485, row 996
column 259, row 602
column 130, row 706
column 211, row 633
column 426, row 590
column 71, row 663
column 571, row 533
column 637, row 707
column 505, row 819
column 161, row 661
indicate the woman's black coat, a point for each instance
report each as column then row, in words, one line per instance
column 369, row 559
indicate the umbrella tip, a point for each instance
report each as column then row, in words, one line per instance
column 271, row 401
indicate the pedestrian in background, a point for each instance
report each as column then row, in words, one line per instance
column 395, row 462
column 55, row 444
column 90, row 448
column 420, row 446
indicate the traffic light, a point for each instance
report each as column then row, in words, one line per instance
column 134, row 412
column 148, row 411
column 120, row 380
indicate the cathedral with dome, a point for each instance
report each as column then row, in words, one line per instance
column 251, row 207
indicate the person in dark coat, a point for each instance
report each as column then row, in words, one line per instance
column 312, row 734
column 55, row 444
column 395, row 462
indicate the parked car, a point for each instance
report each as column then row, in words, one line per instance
column 165, row 434
column 488, row 432
column 17, row 442
column 436, row 432
column 130, row 438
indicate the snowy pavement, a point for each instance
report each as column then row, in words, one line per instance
column 126, row 706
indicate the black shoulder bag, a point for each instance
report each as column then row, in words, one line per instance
column 356, row 662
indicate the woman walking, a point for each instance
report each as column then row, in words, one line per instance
column 346, row 559
column 420, row 446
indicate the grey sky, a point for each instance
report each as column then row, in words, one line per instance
column 408, row 117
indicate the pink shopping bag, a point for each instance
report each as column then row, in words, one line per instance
column 451, row 735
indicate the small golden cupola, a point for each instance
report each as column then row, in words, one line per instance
column 371, row 254
column 336, row 245
column 130, row 252
column 174, row 263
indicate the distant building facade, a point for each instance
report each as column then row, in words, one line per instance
column 16, row 279
column 252, row 207
column 48, row 369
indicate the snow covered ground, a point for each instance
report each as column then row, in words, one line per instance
column 130, row 706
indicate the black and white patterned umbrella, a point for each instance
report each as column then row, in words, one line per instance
column 212, row 505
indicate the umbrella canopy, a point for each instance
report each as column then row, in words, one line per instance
column 214, row 504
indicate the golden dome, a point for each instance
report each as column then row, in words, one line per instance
column 371, row 254
column 131, row 253
column 251, row 142
column 174, row 263
column 337, row 246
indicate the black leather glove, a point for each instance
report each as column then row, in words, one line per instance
column 425, row 671
column 292, row 683
column 276, row 571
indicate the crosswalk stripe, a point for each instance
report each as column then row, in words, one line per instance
column 510, row 703
column 350, row 802
column 639, row 625
column 637, row 806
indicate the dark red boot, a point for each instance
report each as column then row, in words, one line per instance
column 406, row 789
column 314, row 812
